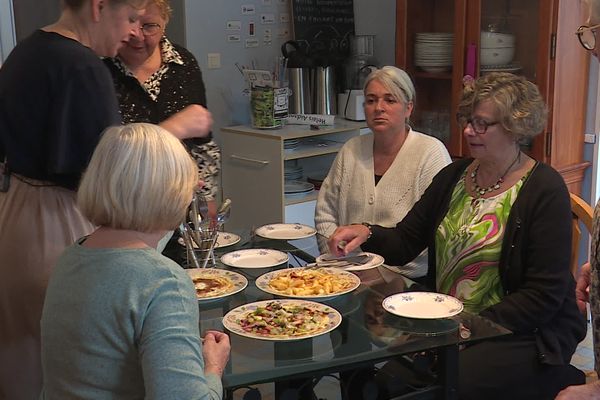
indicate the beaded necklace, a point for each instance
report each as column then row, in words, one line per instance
column 479, row 191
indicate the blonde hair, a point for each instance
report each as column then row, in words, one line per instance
column 164, row 8
column 396, row 81
column 140, row 178
column 521, row 109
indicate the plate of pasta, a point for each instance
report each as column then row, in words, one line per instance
column 282, row 320
column 308, row 283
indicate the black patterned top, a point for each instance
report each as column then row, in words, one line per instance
column 175, row 85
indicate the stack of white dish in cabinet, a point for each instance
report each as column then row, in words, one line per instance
column 433, row 51
column 497, row 52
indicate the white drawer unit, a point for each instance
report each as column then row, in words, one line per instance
column 254, row 168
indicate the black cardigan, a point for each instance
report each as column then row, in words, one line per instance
column 539, row 290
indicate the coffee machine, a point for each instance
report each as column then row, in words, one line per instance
column 357, row 67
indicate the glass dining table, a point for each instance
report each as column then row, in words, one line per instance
column 367, row 336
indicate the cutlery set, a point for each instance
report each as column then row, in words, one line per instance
column 341, row 262
column 201, row 230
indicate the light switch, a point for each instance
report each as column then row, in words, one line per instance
column 214, row 60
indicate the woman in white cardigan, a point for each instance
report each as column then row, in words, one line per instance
column 376, row 178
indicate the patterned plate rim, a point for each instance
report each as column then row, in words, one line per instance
column 458, row 305
column 262, row 231
column 262, row 283
column 335, row 319
column 237, row 286
column 282, row 259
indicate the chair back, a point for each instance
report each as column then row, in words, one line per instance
column 582, row 212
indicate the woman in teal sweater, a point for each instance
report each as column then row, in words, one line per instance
column 120, row 321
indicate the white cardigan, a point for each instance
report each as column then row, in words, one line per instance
column 349, row 195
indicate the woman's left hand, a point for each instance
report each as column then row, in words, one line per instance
column 591, row 391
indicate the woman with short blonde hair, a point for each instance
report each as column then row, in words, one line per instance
column 143, row 181
column 120, row 320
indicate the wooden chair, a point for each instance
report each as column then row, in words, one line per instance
column 582, row 212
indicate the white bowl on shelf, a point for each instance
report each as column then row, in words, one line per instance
column 490, row 40
column 496, row 56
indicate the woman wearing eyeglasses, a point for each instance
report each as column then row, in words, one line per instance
column 160, row 82
column 498, row 230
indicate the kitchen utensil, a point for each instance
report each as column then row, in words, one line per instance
column 185, row 233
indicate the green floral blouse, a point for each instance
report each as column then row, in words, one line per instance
column 468, row 244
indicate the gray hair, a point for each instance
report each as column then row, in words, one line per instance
column 396, row 81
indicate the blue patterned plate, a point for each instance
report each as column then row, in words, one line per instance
column 212, row 283
column 286, row 231
column 424, row 305
column 254, row 258
column 326, row 319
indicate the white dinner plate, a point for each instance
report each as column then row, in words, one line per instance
column 375, row 261
column 349, row 280
column 294, row 187
column 254, row 258
column 286, row 231
column 233, row 320
column 423, row 305
column 224, row 239
column 236, row 281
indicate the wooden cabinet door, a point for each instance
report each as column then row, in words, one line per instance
column 546, row 52
column 566, row 126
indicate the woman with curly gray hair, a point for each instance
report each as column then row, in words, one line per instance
column 498, row 230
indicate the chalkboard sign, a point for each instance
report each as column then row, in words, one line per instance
column 325, row 26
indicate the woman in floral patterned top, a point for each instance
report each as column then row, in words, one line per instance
column 156, row 79
column 498, row 230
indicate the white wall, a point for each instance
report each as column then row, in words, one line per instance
column 7, row 29
column 205, row 33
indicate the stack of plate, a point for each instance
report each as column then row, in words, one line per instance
column 512, row 67
column 298, row 187
column 293, row 172
column 290, row 144
column 433, row 51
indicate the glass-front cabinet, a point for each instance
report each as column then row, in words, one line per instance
column 438, row 42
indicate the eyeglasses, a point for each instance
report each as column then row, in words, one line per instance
column 587, row 36
column 479, row 125
column 150, row 29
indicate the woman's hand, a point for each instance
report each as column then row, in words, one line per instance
column 215, row 351
column 347, row 238
column 193, row 121
column 591, row 391
column 582, row 290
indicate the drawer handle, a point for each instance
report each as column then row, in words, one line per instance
column 252, row 160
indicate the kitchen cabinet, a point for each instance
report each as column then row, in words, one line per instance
column 254, row 169
column 546, row 51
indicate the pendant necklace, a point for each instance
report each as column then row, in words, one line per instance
column 481, row 191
